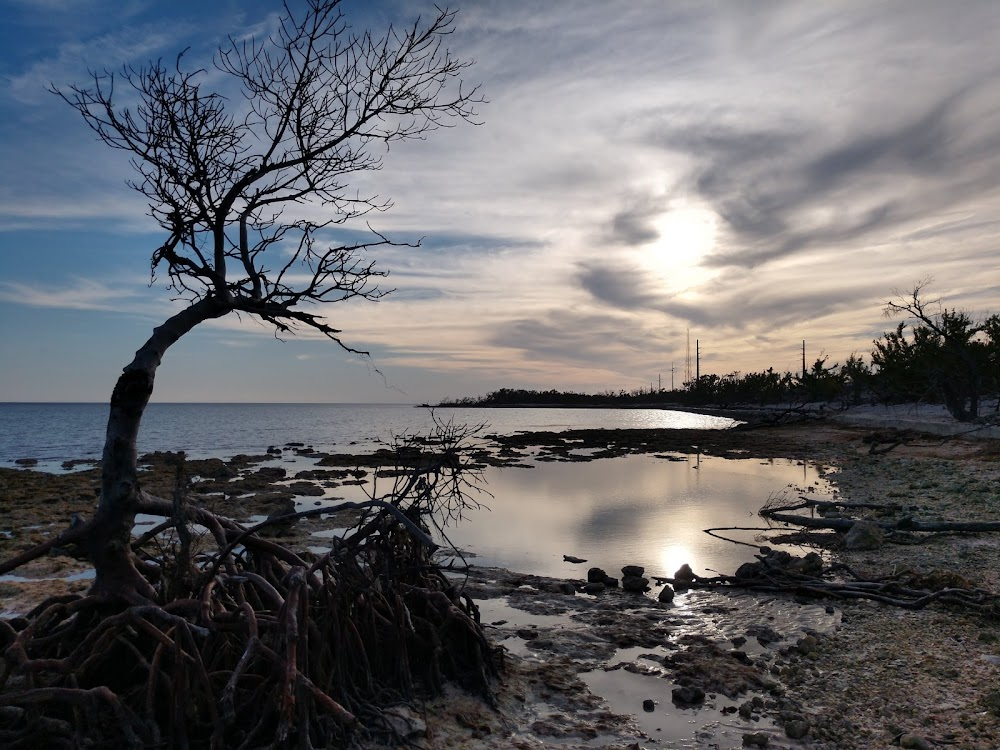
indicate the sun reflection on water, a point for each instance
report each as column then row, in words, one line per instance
column 632, row 510
column 673, row 556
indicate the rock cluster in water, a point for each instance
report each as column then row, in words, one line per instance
column 632, row 580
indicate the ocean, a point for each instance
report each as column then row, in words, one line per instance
column 630, row 510
column 57, row 432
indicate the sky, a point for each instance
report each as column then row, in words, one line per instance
column 749, row 175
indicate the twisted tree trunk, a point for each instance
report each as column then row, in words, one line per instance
column 109, row 537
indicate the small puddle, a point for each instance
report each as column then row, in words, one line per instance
column 667, row 723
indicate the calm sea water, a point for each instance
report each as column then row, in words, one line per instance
column 643, row 510
column 53, row 433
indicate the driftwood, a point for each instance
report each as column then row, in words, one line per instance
column 247, row 643
column 780, row 572
column 902, row 524
column 906, row 522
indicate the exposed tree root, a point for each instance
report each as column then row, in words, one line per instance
column 249, row 644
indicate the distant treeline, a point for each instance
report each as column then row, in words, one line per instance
column 944, row 357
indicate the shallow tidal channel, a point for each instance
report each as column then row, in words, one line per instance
column 651, row 511
column 632, row 510
column 647, row 510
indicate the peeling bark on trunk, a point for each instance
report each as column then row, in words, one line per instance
column 108, row 546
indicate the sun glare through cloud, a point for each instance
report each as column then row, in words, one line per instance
column 686, row 236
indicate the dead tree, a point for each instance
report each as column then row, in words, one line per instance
column 950, row 353
column 230, row 176
column 225, row 182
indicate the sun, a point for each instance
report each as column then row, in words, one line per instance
column 687, row 234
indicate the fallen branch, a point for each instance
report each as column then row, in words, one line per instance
column 903, row 524
column 780, row 572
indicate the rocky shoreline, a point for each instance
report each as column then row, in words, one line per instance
column 835, row 674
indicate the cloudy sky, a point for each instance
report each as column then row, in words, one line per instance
column 756, row 173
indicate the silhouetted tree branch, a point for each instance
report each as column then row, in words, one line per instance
column 235, row 183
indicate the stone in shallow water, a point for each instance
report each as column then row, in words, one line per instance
column 666, row 594
column 632, row 570
column 596, row 575
column 683, row 575
column 637, row 584
column 687, row 695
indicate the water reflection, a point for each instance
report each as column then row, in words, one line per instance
column 639, row 510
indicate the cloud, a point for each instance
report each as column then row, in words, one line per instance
column 633, row 226
column 625, row 288
column 758, row 173
column 734, row 302
column 82, row 294
column 786, row 185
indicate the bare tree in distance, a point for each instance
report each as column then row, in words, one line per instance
column 227, row 182
column 949, row 356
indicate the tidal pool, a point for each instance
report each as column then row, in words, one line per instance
column 633, row 510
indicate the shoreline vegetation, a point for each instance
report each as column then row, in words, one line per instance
column 935, row 355
column 884, row 675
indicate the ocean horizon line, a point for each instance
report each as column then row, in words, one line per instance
column 224, row 403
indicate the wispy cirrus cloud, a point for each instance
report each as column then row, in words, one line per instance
column 82, row 294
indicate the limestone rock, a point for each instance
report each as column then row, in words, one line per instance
column 864, row 535
column 596, row 575
column 914, row 742
column 683, row 576
column 687, row 695
column 796, row 729
column 635, row 583
column 666, row 594
column 407, row 725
